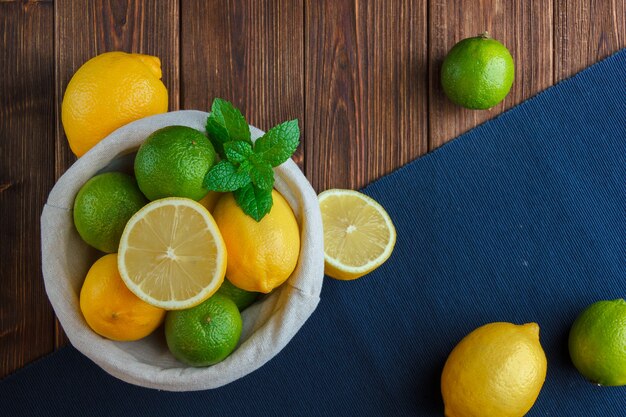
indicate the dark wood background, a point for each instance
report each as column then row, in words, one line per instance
column 361, row 76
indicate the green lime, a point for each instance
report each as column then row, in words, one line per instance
column 597, row 343
column 103, row 206
column 478, row 72
column 241, row 297
column 205, row 334
column 172, row 162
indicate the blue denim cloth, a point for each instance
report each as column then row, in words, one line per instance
column 522, row 219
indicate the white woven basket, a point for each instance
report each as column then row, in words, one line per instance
column 267, row 325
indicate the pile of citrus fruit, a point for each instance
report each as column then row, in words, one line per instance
column 199, row 232
column 169, row 255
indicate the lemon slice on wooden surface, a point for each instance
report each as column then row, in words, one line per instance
column 171, row 254
column 358, row 233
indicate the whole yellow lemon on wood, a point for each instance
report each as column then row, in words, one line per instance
column 107, row 92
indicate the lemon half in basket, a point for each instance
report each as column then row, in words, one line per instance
column 358, row 233
column 171, row 254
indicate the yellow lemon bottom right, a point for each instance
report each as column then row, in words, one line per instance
column 496, row 370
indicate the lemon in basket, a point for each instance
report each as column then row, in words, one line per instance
column 171, row 254
column 110, row 309
column 358, row 233
column 261, row 255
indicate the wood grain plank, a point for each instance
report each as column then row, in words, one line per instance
column 247, row 52
column 585, row 32
column 86, row 29
column 26, row 177
column 366, row 89
column 524, row 27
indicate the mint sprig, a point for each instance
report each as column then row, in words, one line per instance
column 225, row 124
column 225, row 176
column 279, row 143
column 254, row 201
column 261, row 174
column 237, row 151
column 246, row 168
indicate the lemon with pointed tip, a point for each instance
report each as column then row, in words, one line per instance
column 261, row 255
column 107, row 92
column 496, row 370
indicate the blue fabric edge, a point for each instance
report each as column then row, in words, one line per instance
column 455, row 140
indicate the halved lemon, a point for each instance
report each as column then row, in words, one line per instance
column 171, row 254
column 358, row 233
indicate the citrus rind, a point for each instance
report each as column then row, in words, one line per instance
column 337, row 269
column 206, row 283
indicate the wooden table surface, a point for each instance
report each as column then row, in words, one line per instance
column 361, row 76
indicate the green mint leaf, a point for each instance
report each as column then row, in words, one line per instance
column 261, row 174
column 254, row 201
column 279, row 143
column 237, row 151
column 225, row 124
column 229, row 117
column 217, row 135
column 224, row 176
column 245, row 167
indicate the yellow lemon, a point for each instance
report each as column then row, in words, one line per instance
column 110, row 309
column 107, row 92
column 496, row 370
column 171, row 254
column 261, row 255
column 210, row 200
column 358, row 234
